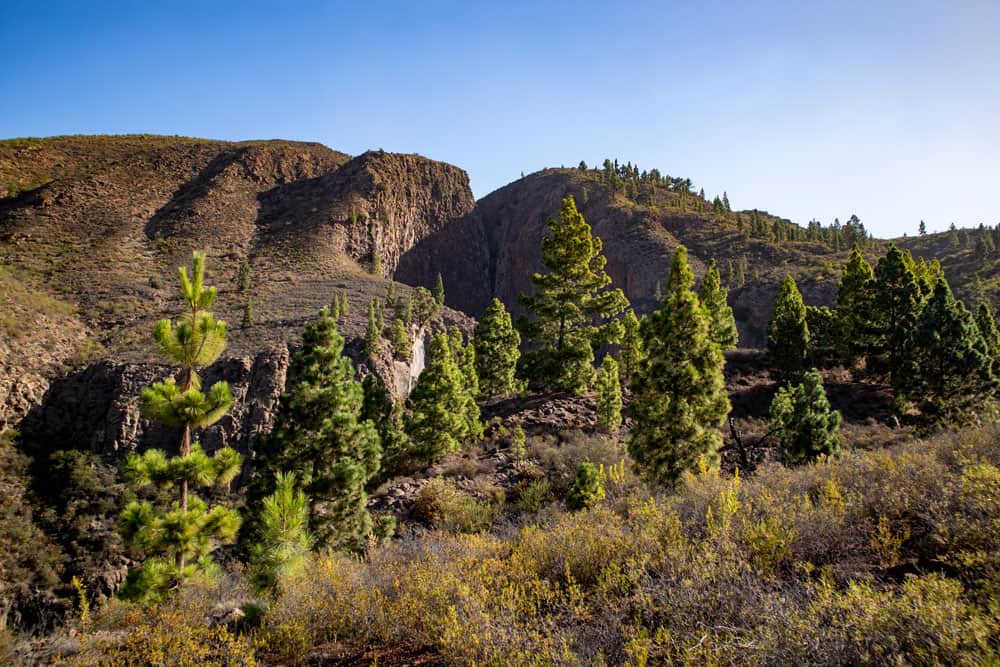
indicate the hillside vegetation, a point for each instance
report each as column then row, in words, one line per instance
column 679, row 433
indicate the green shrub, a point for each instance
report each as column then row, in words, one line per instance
column 587, row 490
column 533, row 495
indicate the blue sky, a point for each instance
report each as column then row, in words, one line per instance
column 890, row 110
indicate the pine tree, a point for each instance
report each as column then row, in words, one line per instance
column 567, row 302
column 496, row 342
column 804, row 422
column 406, row 310
column 987, row 326
column 945, row 365
column 373, row 333
column 402, row 346
column 335, row 306
column 586, row 490
column 436, row 422
column 282, row 544
column 425, row 307
column 387, row 416
column 788, row 333
column 922, row 228
column 631, row 345
column 438, row 290
column 320, row 436
column 722, row 328
column 243, row 276
column 465, row 360
column 824, row 331
column 390, row 295
column 678, row 396
column 247, row 315
column 178, row 539
column 896, row 302
column 927, row 274
column 609, row 395
column 854, row 307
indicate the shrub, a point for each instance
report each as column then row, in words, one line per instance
column 533, row 495
column 441, row 504
column 587, row 490
column 171, row 633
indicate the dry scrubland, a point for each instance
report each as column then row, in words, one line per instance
column 872, row 558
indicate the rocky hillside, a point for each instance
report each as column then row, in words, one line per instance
column 495, row 250
column 92, row 230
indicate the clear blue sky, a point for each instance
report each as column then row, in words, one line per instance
column 890, row 110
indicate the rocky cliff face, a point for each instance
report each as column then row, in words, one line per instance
column 97, row 407
column 376, row 205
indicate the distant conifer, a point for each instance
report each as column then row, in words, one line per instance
column 631, row 345
column 402, row 346
column 609, row 395
column 988, row 330
column 373, row 333
column 437, row 418
column 854, row 307
column 722, row 328
column 438, row 290
column 586, row 490
column 945, row 366
column 387, row 416
column 496, row 342
column 788, row 334
column 896, row 302
column 465, row 360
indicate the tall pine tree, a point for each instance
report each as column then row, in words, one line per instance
column 319, row 435
column 722, row 327
column 567, row 302
column 788, row 333
column 465, row 360
column 437, row 420
column 178, row 539
column 609, row 395
column 631, row 345
column 496, row 342
column 387, row 416
column 987, row 326
column 854, row 305
column 945, row 365
column 678, row 395
column 896, row 301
